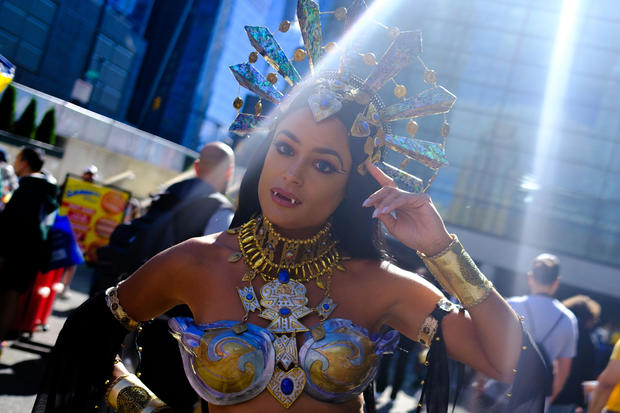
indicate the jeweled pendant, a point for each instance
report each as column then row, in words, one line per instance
column 248, row 298
column 284, row 304
column 287, row 386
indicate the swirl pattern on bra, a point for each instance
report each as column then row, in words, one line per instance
column 225, row 368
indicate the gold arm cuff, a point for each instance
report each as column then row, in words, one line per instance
column 458, row 274
column 127, row 394
column 111, row 298
column 427, row 330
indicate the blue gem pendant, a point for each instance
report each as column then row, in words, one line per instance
column 284, row 301
column 287, row 386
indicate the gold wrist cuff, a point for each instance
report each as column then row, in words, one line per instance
column 127, row 394
column 458, row 274
column 111, row 298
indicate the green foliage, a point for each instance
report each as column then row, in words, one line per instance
column 46, row 132
column 7, row 108
column 25, row 125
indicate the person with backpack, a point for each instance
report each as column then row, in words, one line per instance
column 552, row 326
column 25, row 223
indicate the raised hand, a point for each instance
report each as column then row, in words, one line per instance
column 417, row 224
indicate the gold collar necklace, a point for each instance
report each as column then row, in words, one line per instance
column 267, row 252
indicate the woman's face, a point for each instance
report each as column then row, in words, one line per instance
column 305, row 172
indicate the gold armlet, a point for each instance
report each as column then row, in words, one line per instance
column 111, row 298
column 431, row 322
column 127, row 394
column 458, row 274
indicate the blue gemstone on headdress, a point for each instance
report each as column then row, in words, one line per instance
column 364, row 126
column 284, row 276
column 375, row 116
column 326, row 306
column 324, row 102
column 285, row 311
column 249, row 296
column 287, row 386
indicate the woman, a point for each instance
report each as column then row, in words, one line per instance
column 304, row 179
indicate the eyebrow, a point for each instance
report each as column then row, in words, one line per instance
column 321, row 150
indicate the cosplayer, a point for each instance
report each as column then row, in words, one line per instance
column 290, row 305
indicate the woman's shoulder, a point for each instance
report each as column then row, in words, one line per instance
column 207, row 248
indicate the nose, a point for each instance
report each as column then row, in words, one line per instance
column 294, row 173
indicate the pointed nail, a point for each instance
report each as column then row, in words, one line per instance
column 366, row 202
column 375, row 213
column 384, row 210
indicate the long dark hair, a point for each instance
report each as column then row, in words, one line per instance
column 360, row 236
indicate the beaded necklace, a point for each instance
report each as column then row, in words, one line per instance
column 285, row 264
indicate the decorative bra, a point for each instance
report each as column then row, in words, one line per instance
column 225, row 367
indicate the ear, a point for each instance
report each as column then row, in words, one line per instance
column 530, row 280
column 554, row 286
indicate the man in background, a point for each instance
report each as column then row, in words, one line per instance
column 25, row 222
column 552, row 326
column 8, row 179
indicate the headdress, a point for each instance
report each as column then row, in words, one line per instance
column 337, row 87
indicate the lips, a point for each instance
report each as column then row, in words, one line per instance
column 284, row 198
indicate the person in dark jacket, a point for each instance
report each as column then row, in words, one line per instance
column 24, row 224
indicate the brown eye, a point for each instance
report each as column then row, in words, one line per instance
column 324, row 166
column 284, row 148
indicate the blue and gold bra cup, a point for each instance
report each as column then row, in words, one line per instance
column 340, row 365
column 228, row 368
column 224, row 367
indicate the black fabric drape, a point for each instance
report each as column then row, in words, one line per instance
column 81, row 360
column 526, row 393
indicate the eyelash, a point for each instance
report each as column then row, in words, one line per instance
column 285, row 149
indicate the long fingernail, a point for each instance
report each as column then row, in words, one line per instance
column 366, row 202
column 375, row 213
column 384, row 210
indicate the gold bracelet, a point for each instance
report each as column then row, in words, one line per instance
column 127, row 394
column 458, row 274
column 111, row 298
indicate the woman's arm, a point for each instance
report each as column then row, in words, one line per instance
column 488, row 335
column 164, row 281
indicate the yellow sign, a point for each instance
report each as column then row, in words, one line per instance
column 94, row 210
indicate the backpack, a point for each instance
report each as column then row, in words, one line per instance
column 548, row 389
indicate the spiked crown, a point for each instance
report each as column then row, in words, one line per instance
column 335, row 87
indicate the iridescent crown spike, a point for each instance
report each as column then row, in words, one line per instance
column 354, row 12
column 246, row 123
column 401, row 178
column 431, row 101
column 430, row 154
column 310, row 25
column 251, row 79
column 263, row 41
column 401, row 52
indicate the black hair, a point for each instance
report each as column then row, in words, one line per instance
column 34, row 157
column 359, row 235
column 546, row 269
